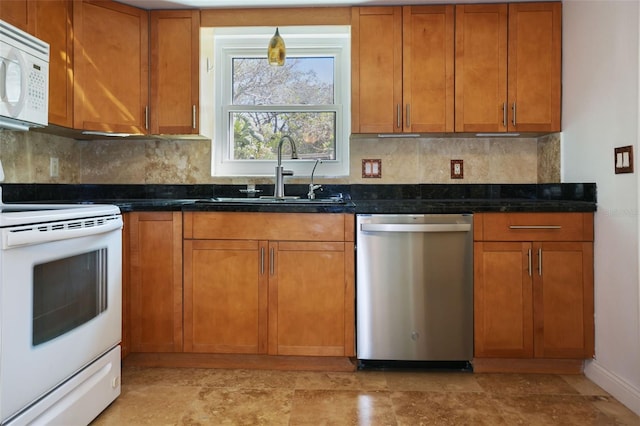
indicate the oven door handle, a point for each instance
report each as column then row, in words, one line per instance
column 38, row 234
column 425, row 227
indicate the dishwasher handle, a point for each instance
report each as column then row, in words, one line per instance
column 415, row 227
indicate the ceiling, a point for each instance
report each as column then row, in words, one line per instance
column 213, row 4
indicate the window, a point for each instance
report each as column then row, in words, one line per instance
column 257, row 104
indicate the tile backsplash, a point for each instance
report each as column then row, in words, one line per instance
column 26, row 157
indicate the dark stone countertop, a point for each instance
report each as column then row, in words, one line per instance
column 365, row 199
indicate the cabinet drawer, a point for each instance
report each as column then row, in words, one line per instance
column 268, row 226
column 533, row 227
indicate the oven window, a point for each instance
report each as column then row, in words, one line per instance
column 67, row 293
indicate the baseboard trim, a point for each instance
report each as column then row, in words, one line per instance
column 253, row 362
column 532, row 365
column 619, row 388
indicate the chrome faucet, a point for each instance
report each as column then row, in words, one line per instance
column 278, row 191
column 312, row 188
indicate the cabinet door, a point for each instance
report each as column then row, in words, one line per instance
column 376, row 70
column 225, row 291
column 535, row 44
column 53, row 24
column 310, row 300
column 125, row 343
column 481, row 68
column 155, row 240
column 503, row 318
column 175, row 56
column 111, row 67
column 18, row 13
column 428, row 50
column 563, row 300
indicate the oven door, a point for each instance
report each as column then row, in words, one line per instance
column 60, row 305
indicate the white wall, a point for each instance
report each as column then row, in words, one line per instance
column 600, row 112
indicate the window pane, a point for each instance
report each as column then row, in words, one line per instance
column 301, row 81
column 256, row 134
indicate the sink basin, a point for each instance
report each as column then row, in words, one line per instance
column 273, row 200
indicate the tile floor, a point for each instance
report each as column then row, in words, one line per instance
column 189, row 396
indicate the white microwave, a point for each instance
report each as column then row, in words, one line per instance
column 24, row 79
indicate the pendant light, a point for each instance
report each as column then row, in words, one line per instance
column 277, row 50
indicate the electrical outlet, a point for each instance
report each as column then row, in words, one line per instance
column 53, row 167
column 457, row 169
column 372, row 168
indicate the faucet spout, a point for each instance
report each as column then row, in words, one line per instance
column 294, row 151
column 280, row 173
column 312, row 188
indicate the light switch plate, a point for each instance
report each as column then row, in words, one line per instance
column 623, row 159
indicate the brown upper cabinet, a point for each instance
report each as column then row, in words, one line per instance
column 111, row 67
column 175, row 53
column 54, row 25
column 51, row 21
column 117, row 68
column 100, row 71
column 508, row 67
column 18, row 13
column 402, row 69
column 114, row 72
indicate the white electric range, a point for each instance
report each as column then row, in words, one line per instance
column 60, row 312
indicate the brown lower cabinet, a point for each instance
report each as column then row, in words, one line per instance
column 269, row 283
column 533, row 287
column 253, row 283
column 153, row 282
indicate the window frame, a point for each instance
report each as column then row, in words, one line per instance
column 301, row 41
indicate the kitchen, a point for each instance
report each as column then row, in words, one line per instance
column 590, row 30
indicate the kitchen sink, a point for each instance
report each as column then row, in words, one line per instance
column 274, row 200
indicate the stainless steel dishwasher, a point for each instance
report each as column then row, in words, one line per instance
column 414, row 287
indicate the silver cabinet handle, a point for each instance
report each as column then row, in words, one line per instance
column 540, row 261
column 398, row 227
column 261, row 260
column 398, row 116
column 408, row 115
column 529, row 258
column 194, row 117
column 535, row 227
column 513, row 107
column 271, row 261
column 504, row 114
column 146, row 117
